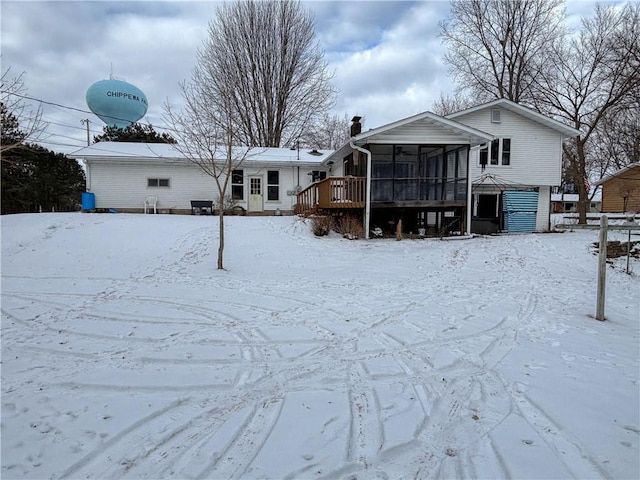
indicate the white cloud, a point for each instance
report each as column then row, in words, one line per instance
column 386, row 56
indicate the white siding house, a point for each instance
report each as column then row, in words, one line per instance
column 121, row 175
column 486, row 169
column 525, row 155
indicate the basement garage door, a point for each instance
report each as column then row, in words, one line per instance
column 520, row 208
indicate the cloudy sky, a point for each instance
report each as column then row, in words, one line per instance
column 387, row 56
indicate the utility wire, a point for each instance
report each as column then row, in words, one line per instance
column 27, row 97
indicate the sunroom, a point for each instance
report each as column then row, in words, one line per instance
column 413, row 172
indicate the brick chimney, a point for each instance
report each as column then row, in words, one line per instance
column 356, row 126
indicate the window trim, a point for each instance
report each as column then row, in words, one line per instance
column 158, row 182
column 270, row 186
column 495, row 156
column 235, row 173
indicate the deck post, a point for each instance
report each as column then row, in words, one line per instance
column 367, row 198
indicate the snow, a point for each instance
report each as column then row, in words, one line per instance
column 125, row 354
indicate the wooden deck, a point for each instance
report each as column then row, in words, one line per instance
column 332, row 193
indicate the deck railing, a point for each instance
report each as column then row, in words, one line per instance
column 332, row 193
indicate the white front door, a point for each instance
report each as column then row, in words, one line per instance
column 255, row 194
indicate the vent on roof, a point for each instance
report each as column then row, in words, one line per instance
column 495, row 115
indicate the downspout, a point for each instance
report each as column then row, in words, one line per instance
column 367, row 200
column 88, row 175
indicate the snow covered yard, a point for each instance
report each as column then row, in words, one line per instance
column 125, row 354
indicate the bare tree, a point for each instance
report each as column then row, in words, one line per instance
column 327, row 132
column 496, row 48
column 21, row 124
column 261, row 56
column 208, row 139
column 594, row 74
column 448, row 104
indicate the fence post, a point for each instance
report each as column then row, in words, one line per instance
column 602, row 268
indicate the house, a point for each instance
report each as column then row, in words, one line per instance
column 568, row 202
column 621, row 190
column 486, row 169
column 122, row 175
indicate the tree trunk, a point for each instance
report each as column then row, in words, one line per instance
column 221, row 232
column 581, row 174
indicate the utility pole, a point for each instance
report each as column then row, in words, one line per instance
column 86, row 122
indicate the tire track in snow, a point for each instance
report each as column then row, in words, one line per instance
column 97, row 454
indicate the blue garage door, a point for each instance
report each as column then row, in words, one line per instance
column 520, row 208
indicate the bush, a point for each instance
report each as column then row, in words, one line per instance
column 350, row 226
column 321, row 225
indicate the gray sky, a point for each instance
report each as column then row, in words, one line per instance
column 387, row 56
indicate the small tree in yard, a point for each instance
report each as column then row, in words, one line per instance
column 207, row 138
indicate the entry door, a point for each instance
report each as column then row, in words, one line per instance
column 255, row 194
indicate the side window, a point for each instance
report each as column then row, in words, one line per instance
column 237, row 185
column 495, row 145
column 158, row 182
column 317, row 175
column 273, row 185
column 498, row 153
column 506, row 151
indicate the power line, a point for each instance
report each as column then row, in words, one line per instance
column 27, row 97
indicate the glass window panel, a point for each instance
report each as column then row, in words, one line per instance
column 237, row 176
column 256, row 186
column 506, row 151
column 452, row 158
column 273, row 177
column 237, row 192
column 382, row 190
column 463, row 155
column 494, row 152
column 272, row 192
column 406, row 189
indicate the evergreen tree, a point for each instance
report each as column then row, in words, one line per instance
column 135, row 132
column 34, row 179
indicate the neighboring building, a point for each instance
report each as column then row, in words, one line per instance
column 568, row 202
column 621, row 190
column 486, row 169
column 122, row 175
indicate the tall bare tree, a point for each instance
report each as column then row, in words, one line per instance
column 447, row 104
column 208, row 138
column 327, row 132
column 593, row 77
column 21, row 123
column 261, row 55
column 496, row 48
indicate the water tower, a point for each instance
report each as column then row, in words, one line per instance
column 116, row 102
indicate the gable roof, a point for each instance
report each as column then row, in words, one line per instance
column 521, row 110
column 617, row 174
column 153, row 151
column 426, row 119
column 475, row 135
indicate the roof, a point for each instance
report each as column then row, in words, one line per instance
column 618, row 173
column 521, row 110
column 474, row 136
column 150, row 151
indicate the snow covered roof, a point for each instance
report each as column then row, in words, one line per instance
column 525, row 112
column 150, row 151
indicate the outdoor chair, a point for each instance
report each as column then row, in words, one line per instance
column 149, row 202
